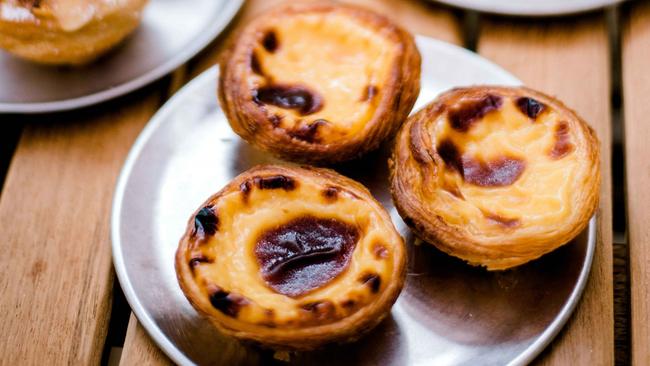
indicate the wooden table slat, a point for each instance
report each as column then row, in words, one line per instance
column 636, row 82
column 57, row 276
column 570, row 59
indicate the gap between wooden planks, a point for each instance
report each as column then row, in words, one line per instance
column 570, row 59
column 417, row 16
column 636, row 89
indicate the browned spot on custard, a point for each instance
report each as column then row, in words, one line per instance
column 463, row 117
column 305, row 254
column 348, row 304
column 320, row 310
column 372, row 280
column 275, row 120
column 563, row 145
column 451, row 155
column 380, row 251
column 502, row 171
column 270, row 41
column 502, row 221
column 499, row 172
column 300, row 98
column 245, row 189
column 308, row 133
column 197, row 260
column 331, row 193
column 530, row 107
column 226, row 302
column 276, row 182
column 255, row 65
column 30, row 3
column 368, row 93
column 206, row 222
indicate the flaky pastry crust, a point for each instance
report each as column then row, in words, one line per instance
column 319, row 82
column 292, row 258
column 66, row 32
column 497, row 176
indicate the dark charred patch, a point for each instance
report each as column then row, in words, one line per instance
column 563, row 145
column 372, row 280
column 206, row 222
column 451, row 155
column 270, row 41
column 502, row 221
column 500, row 172
column 245, row 189
column 226, row 302
column 309, row 133
column 380, row 251
column 464, row 116
column 530, row 107
column 297, row 97
column 276, row 182
column 275, row 120
column 255, row 65
column 349, row 304
column 198, row 260
column 305, row 254
column 331, row 193
column 321, row 310
column 369, row 93
column 30, row 3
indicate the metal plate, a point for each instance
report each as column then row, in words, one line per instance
column 531, row 7
column 448, row 314
column 172, row 31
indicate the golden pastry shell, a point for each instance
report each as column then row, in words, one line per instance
column 250, row 122
column 311, row 336
column 415, row 160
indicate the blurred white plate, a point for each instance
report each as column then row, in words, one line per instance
column 172, row 31
column 531, row 7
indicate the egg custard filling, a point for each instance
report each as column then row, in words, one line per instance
column 291, row 258
column 329, row 81
column 496, row 176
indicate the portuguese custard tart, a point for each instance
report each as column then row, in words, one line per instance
column 292, row 258
column 66, row 32
column 496, row 176
column 319, row 83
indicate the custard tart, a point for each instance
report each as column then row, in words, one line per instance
column 496, row 176
column 66, row 32
column 292, row 258
column 319, row 83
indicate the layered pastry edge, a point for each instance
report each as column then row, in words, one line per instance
column 427, row 193
column 340, row 310
column 316, row 133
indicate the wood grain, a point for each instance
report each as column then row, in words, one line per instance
column 636, row 82
column 139, row 349
column 570, row 59
column 57, row 276
column 417, row 16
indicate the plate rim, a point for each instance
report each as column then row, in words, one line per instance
column 507, row 8
column 207, row 35
column 170, row 349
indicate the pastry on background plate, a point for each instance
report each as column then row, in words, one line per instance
column 292, row 258
column 66, row 32
column 319, row 82
column 496, row 176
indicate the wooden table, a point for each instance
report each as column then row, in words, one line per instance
column 57, row 281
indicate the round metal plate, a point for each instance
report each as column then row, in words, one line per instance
column 448, row 314
column 531, row 7
column 172, row 31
